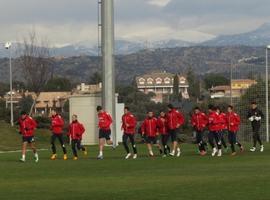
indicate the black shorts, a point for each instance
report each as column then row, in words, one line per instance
column 28, row 139
column 151, row 140
column 173, row 134
column 106, row 134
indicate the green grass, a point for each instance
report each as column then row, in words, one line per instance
column 242, row 177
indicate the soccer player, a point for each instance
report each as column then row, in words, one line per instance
column 163, row 131
column 233, row 122
column 223, row 124
column 215, row 127
column 104, row 124
column 128, row 127
column 175, row 119
column 57, row 124
column 150, row 131
column 75, row 132
column 255, row 115
column 199, row 121
column 27, row 128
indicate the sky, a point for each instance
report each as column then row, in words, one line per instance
column 63, row 22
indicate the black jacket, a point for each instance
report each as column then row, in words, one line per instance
column 255, row 113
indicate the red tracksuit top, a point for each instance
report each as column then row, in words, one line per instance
column 162, row 126
column 174, row 119
column 199, row 121
column 233, row 121
column 27, row 126
column 57, row 124
column 129, row 123
column 223, row 121
column 149, row 127
column 104, row 121
column 214, row 122
column 76, row 130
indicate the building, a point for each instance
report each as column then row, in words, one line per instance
column 17, row 95
column 237, row 89
column 87, row 89
column 161, row 84
column 46, row 101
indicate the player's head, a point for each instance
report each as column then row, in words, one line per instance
column 99, row 109
column 170, row 107
column 54, row 112
column 253, row 104
column 218, row 109
column 230, row 108
column 23, row 114
column 210, row 107
column 150, row 114
column 74, row 117
column 162, row 113
column 126, row 109
column 197, row 110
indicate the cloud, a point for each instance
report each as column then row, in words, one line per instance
column 160, row 3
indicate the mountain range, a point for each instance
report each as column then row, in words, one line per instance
column 256, row 38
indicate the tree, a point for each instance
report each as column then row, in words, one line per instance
column 176, row 96
column 194, row 84
column 35, row 63
column 58, row 84
column 95, row 78
column 25, row 103
column 212, row 80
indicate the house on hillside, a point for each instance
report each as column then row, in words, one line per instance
column 161, row 84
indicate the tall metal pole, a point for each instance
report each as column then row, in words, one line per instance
column 108, row 77
column 231, row 83
column 11, row 89
column 267, row 98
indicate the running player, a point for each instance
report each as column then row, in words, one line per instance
column 163, row 131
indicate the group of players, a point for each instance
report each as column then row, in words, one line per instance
column 165, row 127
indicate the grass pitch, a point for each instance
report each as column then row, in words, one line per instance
column 242, row 177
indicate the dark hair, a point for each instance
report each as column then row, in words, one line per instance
column 170, row 106
column 23, row 113
column 230, row 106
column 99, row 108
column 197, row 108
column 126, row 107
column 254, row 102
column 211, row 106
column 217, row 108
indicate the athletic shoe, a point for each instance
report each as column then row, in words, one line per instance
column 128, row 156
column 151, row 153
column 36, row 158
column 22, row 160
column 233, row 154
column 253, row 149
column 172, row 153
column 135, row 156
column 100, row 157
column 85, row 152
column 262, row 148
column 53, row 157
column 164, row 156
column 203, row 153
column 241, row 149
column 75, row 158
column 65, row 157
column 214, row 151
column 219, row 153
column 178, row 152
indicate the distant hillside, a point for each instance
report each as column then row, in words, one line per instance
column 176, row 60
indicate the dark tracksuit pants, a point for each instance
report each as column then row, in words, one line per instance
column 132, row 141
column 223, row 141
column 199, row 140
column 232, row 137
column 60, row 139
column 214, row 138
column 76, row 144
column 164, row 141
column 256, row 133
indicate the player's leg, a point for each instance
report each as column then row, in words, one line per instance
column 24, row 146
column 81, row 147
column 164, row 144
column 61, row 140
column 218, row 136
column 223, row 141
column 174, row 142
column 125, row 144
column 259, row 139
column 212, row 143
column 254, row 137
column 231, row 138
column 149, row 147
column 74, row 151
column 132, row 141
column 53, row 147
column 34, row 149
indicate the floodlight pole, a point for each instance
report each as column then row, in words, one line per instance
column 108, row 69
column 266, row 94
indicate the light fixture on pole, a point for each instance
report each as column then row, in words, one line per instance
column 266, row 94
column 8, row 47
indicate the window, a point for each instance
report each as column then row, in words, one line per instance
column 150, row 81
column 167, row 80
column 182, row 80
column 141, row 81
column 158, row 80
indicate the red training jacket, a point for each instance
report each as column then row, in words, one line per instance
column 174, row 119
column 104, row 120
column 214, row 122
column 129, row 123
column 57, row 124
column 223, row 121
column 233, row 121
column 27, row 126
column 76, row 130
column 199, row 121
column 149, row 127
column 162, row 125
